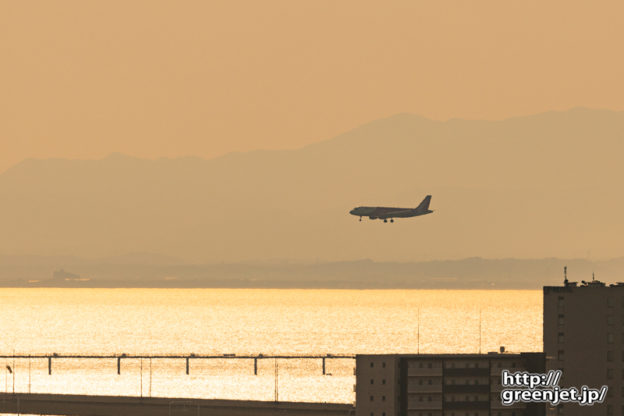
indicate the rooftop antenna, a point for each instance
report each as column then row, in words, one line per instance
column 565, row 275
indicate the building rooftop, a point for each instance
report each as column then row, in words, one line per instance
column 493, row 354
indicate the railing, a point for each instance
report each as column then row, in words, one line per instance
column 188, row 357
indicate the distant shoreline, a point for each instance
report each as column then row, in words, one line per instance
column 470, row 273
column 275, row 288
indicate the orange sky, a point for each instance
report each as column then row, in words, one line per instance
column 150, row 78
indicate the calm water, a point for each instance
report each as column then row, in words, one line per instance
column 239, row 321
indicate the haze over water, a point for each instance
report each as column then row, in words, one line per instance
column 247, row 321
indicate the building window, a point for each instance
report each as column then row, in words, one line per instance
column 609, row 338
column 429, row 381
column 372, row 398
column 429, row 365
column 372, row 381
column 372, row 365
column 609, row 373
column 383, row 381
column 560, row 338
column 610, row 302
column 383, row 398
column 609, row 355
column 609, row 319
column 383, row 365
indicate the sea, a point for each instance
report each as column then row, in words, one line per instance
column 243, row 322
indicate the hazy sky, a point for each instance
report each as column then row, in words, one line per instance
column 81, row 79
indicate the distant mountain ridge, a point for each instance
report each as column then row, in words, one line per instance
column 546, row 185
column 147, row 271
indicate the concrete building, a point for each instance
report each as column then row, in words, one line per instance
column 440, row 384
column 584, row 337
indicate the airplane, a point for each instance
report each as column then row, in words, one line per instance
column 383, row 213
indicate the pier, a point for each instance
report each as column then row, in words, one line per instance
column 83, row 405
column 187, row 358
column 24, row 401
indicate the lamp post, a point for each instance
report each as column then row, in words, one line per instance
column 10, row 371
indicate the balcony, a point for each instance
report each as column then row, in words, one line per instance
column 467, row 405
column 468, row 388
column 467, row 372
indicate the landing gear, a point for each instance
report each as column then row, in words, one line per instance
column 391, row 220
column 360, row 218
column 385, row 220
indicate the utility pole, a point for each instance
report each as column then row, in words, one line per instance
column 479, row 331
column 276, row 381
column 418, row 331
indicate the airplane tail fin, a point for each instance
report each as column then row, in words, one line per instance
column 424, row 205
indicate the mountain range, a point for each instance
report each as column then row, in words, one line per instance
column 547, row 185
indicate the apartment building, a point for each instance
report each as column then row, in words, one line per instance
column 584, row 338
column 440, row 384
